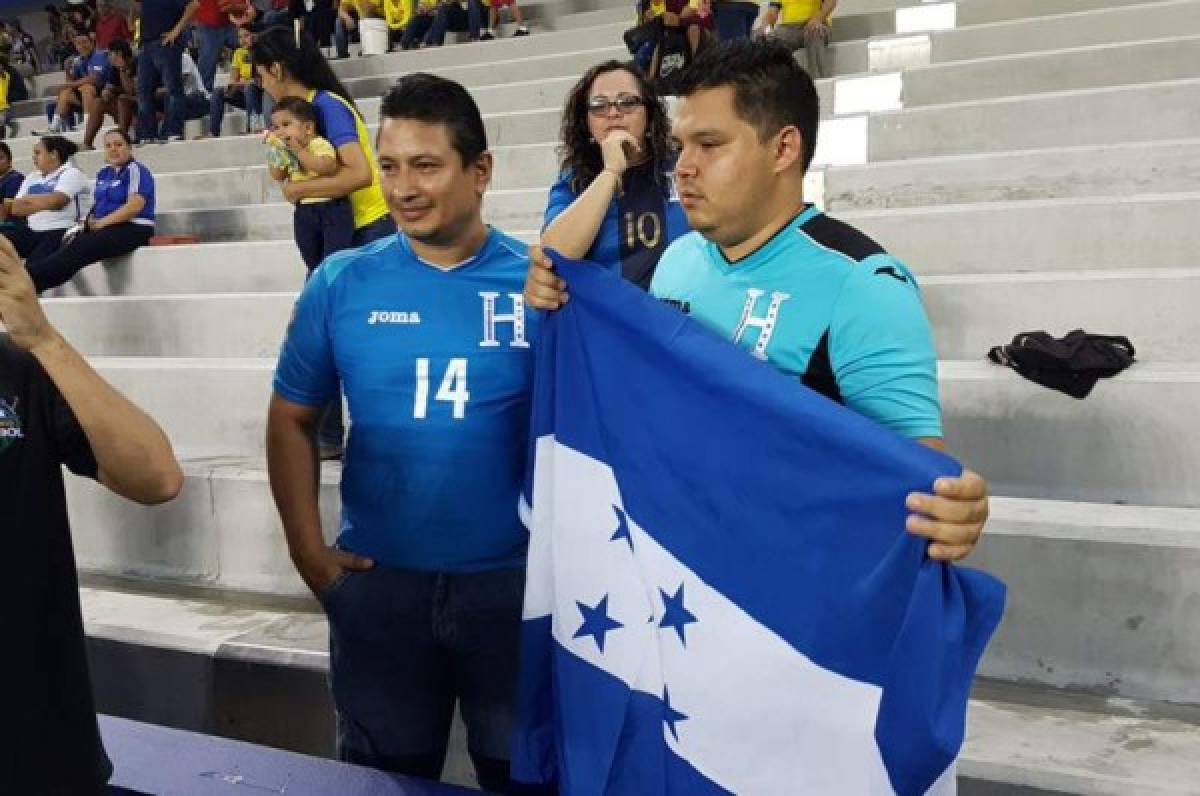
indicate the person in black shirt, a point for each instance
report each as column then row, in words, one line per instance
column 55, row 410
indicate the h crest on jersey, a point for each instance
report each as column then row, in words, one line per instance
column 492, row 319
column 765, row 324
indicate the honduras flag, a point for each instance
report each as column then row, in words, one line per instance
column 721, row 595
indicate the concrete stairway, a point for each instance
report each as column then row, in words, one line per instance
column 1034, row 161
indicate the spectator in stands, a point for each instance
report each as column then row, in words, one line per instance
column 349, row 13
column 682, row 34
column 494, row 8
column 10, row 178
column 61, row 46
column 844, row 318
column 290, row 68
column 803, row 24
column 296, row 153
column 734, row 19
column 118, row 98
column 241, row 92
column 55, row 410
column 460, row 16
column 287, row 70
column 8, row 127
column 48, row 199
column 86, row 79
column 24, row 53
column 111, row 25
column 612, row 202
column 419, row 24
column 214, row 32
column 80, row 16
column 163, row 24
column 424, row 588
column 121, row 221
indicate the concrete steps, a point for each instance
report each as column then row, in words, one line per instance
column 969, row 313
column 226, row 653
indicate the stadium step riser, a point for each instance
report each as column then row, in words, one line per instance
column 1133, row 440
column 1124, row 170
column 969, row 316
column 1157, row 231
column 1112, row 615
column 1127, row 442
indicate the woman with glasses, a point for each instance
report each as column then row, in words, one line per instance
column 613, row 203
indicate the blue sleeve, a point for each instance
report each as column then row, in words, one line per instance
column 561, row 197
column 145, row 183
column 881, row 349
column 337, row 121
column 306, row 373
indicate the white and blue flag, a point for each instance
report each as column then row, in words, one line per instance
column 721, row 595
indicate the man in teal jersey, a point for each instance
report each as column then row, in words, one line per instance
column 428, row 333
column 813, row 296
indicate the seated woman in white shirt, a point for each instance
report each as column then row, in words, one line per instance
column 48, row 199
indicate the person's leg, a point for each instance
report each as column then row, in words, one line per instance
column 389, row 677
column 336, row 226
column 254, row 97
column 96, row 111
column 815, row 53
column 171, row 66
column 791, row 36
column 21, row 237
column 44, row 244
column 216, row 112
column 211, row 41
column 307, row 230
column 474, row 19
column 374, row 231
column 341, row 37
column 126, row 111
column 483, row 614
column 147, row 82
column 87, row 248
column 441, row 23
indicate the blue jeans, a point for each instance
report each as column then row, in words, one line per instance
column 734, row 19
column 451, row 16
column 416, row 29
column 159, row 64
column 341, row 38
column 248, row 98
column 212, row 41
column 404, row 647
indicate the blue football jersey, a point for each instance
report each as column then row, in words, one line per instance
column 437, row 370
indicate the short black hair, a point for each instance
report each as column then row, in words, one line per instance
column 121, row 46
column 4, row 150
column 299, row 107
column 431, row 99
column 770, row 90
column 62, row 147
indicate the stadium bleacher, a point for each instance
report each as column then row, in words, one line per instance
column 1034, row 161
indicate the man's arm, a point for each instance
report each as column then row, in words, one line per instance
column 821, row 20
column 28, row 205
column 294, row 473
column 171, row 36
column 133, row 454
column 953, row 517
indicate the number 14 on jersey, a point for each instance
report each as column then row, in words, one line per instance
column 453, row 389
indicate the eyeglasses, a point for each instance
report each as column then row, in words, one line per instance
column 626, row 103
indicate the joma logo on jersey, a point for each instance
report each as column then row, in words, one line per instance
column 10, row 424
column 384, row 316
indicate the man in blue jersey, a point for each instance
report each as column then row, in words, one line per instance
column 428, row 333
column 812, row 296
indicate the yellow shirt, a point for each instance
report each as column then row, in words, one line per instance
column 367, row 203
column 240, row 67
column 322, row 149
column 397, row 13
column 658, row 7
column 4, row 78
column 364, row 8
column 797, row 12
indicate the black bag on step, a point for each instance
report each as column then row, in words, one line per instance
column 1072, row 364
